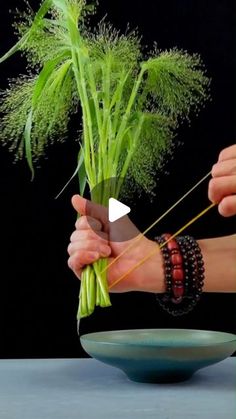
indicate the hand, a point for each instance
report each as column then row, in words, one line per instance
column 92, row 240
column 222, row 186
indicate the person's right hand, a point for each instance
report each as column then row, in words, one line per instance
column 93, row 239
column 222, row 186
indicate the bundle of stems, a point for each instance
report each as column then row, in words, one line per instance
column 131, row 105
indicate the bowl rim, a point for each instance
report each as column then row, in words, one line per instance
column 87, row 338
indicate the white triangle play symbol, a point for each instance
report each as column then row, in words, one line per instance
column 116, row 210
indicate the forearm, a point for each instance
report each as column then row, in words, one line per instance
column 219, row 256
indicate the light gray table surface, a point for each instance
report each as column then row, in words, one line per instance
column 85, row 389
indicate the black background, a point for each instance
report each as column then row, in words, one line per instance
column 38, row 293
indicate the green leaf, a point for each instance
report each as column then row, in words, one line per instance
column 82, row 172
column 14, row 49
column 61, row 4
column 38, row 89
column 19, row 45
column 27, row 138
column 42, row 10
column 43, row 79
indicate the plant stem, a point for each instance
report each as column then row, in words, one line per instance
column 130, row 152
column 104, row 149
column 130, row 103
column 123, row 130
column 79, row 58
column 98, row 118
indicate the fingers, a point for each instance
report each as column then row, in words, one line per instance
column 86, row 207
column 87, row 222
column 221, row 187
column 224, row 168
column 84, row 253
column 227, row 206
column 79, row 260
column 83, row 235
column 87, row 245
column 228, row 153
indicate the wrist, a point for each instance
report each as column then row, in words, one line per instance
column 153, row 279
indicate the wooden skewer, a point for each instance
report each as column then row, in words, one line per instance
column 162, row 245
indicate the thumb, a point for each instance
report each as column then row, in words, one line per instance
column 85, row 207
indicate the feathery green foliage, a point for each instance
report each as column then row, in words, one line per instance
column 131, row 105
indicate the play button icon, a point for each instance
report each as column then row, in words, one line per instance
column 112, row 211
column 116, row 210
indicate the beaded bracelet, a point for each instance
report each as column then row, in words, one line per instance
column 184, row 274
column 195, row 263
column 177, row 273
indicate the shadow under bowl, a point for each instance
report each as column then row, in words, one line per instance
column 159, row 355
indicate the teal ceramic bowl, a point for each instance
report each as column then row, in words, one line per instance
column 159, row 355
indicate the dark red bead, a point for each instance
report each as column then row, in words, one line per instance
column 178, row 274
column 177, row 267
column 178, row 291
column 176, row 259
column 172, row 245
column 180, row 283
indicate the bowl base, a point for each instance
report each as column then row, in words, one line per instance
column 163, row 379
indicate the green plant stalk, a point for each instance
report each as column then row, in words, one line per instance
column 79, row 66
column 104, row 151
column 123, row 127
column 93, row 89
column 117, row 116
column 115, row 101
column 79, row 63
column 101, row 284
column 86, row 138
column 106, row 103
column 130, row 152
column 103, row 296
column 87, row 116
column 130, row 104
column 91, row 294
